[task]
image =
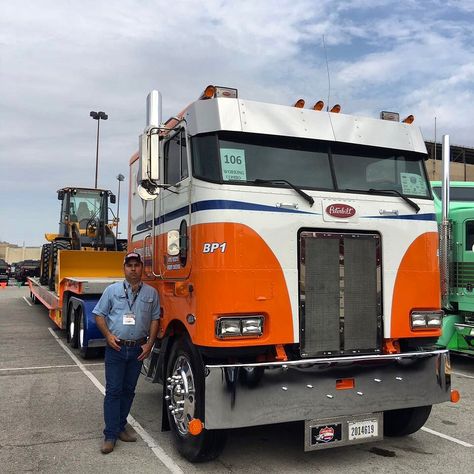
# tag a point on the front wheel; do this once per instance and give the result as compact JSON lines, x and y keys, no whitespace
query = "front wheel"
{"x":185,"y":401}
{"x":405,"y":421}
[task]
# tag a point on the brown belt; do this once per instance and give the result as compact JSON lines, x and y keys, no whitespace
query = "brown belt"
{"x":131,"y":343}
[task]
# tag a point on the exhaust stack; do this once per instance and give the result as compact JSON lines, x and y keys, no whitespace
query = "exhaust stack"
{"x":445,"y":228}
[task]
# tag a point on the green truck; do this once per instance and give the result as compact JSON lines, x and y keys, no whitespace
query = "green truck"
{"x":458,"y":294}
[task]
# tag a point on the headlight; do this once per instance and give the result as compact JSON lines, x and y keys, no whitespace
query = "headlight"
{"x":228,"y":327}
{"x":252,"y":327}
{"x":239,"y":327}
{"x":426,"y":319}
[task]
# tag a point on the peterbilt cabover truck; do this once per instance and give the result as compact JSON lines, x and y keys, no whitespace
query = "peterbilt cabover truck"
{"x":77,"y":264}
{"x":295,"y":254}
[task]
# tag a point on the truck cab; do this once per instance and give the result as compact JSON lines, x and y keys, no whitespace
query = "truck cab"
{"x":295,"y":254}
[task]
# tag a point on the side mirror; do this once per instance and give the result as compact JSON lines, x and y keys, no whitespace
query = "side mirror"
{"x":61,"y":195}
{"x":149,"y":144}
{"x":112,"y":199}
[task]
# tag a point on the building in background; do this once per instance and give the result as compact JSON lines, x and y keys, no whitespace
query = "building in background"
{"x":12,"y":253}
{"x":461,"y":166}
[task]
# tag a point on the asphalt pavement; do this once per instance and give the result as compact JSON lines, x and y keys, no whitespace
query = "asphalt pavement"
{"x":51,"y":418}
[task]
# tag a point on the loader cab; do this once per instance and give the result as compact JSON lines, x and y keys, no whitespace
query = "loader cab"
{"x":84,"y":216}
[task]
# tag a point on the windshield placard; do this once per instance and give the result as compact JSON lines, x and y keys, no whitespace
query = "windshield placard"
{"x":413,"y":184}
{"x":233,"y":164}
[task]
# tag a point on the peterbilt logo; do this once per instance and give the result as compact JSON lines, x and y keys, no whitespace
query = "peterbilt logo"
{"x":340,"y":210}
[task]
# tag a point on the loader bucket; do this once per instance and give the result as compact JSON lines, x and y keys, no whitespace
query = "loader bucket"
{"x":89,"y":263}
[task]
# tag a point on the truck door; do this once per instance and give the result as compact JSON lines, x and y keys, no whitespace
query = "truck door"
{"x":172,"y":259}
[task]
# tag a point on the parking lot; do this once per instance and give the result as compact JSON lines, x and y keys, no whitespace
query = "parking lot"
{"x":51,"y":418}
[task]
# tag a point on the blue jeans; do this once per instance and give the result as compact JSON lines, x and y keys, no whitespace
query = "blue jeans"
{"x":122,"y":370}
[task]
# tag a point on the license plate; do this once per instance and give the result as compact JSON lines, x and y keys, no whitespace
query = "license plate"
{"x":362,"y":429}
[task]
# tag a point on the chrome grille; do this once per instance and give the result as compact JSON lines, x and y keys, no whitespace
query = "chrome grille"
{"x":340,"y":293}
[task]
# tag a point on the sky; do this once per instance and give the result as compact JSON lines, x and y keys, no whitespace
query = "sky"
{"x":61,"y":59}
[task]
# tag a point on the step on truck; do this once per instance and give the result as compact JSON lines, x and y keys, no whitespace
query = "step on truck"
{"x":295,"y":253}
{"x":456,"y":220}
{"x":77,"y":264}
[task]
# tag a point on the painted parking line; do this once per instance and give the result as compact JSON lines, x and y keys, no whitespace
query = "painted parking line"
{"x":24,"y":297}
{"x":459,"y":374}
{"x":45,"y":367}
{"x":149,"y":440}
{"x":449,"y":438}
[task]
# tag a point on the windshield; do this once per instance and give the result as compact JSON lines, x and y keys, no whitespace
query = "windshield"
{"x":311,"y":164}
{"x":84,"y":205}
{"x":463,"y":194}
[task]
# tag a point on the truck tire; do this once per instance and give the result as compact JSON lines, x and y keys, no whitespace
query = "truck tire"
{"x":185,"y":368}
{"x":45,"y":256}
{"x":56,"y":246}
{"x":85,"y":351}
{"x":405,"y":421}
{"x":71,"y":327}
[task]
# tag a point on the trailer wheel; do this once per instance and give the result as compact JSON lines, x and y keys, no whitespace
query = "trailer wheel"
{"x":185,"y":389}
{"x":44,"y":269}
{"x":71,"y":326}
{"x":405,"y":421}
{"x":86,"y":351}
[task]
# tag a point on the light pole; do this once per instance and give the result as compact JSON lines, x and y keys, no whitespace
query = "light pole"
{"x":98,"y":116}
{"x":120,"y":178}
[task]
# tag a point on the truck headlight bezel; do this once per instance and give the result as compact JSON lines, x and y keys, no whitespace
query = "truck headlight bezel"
{"x":422,"y":320}
{"x":239,"y":326}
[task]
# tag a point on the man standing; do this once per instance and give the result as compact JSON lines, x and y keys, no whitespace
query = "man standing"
{"x":127,"y":312}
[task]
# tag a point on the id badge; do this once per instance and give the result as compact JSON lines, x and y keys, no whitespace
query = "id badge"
{"x":129,"y":319}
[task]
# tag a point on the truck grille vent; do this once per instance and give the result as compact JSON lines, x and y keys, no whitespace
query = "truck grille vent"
{"x":463,"y":275}
{"x":340,"y":293}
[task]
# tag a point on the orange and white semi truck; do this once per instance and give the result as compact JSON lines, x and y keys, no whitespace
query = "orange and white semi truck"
{"x":295,"y":254}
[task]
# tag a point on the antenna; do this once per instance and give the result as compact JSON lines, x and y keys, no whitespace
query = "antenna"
{"x":327,"y":69}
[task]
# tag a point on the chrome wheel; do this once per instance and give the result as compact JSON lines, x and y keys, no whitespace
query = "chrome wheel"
{"x":181,"y":394}
{"x":81,"y":331}
{"x":72,"y":334}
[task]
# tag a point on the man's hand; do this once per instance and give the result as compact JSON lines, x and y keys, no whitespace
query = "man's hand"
{"x":113,"y":341}
{"x":146,"y":349}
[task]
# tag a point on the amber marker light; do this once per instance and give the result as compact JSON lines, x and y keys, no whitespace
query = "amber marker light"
{"x":208,"y":93}
{"x":335,"y":109}
{"x":409,"y":119}
{"x":299,"y":104}
{"x":319,"y":105}
{"x":455,"y":396}
{"x":345,"y":384}
{"x":195,"y":426}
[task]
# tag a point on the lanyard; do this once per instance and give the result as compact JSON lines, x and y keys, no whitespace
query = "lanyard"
{"x":134,"y":297}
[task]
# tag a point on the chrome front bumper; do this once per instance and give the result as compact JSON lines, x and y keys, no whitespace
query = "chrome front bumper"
{"x":306,"y":389}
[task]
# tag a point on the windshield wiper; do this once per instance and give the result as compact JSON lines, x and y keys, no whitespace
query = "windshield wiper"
{"x":413,"y":204}
{"x":276,"y":181}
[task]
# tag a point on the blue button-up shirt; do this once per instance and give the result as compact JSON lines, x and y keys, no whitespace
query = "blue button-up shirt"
{"x":113,"y":304}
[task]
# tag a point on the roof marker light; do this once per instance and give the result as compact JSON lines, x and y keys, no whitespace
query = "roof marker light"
{"x":319,"y":105}
{"x":335,"y":109}
{"x":299,"y":104}
{"x":208,"y":93}
{"x":410,"y":119}
{"x":392,"y":116}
